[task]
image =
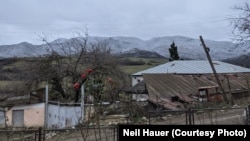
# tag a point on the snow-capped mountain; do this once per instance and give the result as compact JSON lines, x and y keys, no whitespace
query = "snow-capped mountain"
{"x":187,"y":47}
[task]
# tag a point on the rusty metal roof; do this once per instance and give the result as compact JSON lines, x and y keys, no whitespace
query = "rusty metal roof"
{"x":169,"y":85}
{"x":194,"y":67}
{"x":166,"y":86}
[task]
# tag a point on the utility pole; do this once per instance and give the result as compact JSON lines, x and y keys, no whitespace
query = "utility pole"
{"x":214,"y":71}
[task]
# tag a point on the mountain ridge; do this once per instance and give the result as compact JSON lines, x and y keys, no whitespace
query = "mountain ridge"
{"x":187,"y":47}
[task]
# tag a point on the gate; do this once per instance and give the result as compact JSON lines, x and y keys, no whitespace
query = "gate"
{"x":247,"y":113}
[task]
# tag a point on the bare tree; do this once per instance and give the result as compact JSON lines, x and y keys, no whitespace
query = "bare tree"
{"x":73,"y":63}
{"x":241,"y":23}
{"x":68,"y":62}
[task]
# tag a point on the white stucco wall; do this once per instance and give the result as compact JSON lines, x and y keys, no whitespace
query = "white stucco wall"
{"x":63,"y":116}
{"x":33,"y":115}
{"x":136,"y":79}
{"x":140,"y":97}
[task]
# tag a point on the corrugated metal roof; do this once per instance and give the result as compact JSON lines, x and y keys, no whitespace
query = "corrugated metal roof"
{"x":169,"y":85}
{"x":165,"y":86}
{"x":194,"y":67}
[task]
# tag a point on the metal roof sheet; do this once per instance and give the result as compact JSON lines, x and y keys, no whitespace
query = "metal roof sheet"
{"x":194,"y":67}
{"x":169,"y":85}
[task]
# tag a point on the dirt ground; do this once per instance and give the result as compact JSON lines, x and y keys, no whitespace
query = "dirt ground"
{"x":233,"y":115}
{"x":215,"y":117}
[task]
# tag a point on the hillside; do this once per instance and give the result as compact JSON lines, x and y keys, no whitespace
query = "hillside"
{"x":187,"y":47}
{"x":240,"y":61}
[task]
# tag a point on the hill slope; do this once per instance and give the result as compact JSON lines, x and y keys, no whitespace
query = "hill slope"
{"x":187,"y":47}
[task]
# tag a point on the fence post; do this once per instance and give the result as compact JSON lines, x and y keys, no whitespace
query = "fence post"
{"x":149,"y":117}
{"x":190,"y":116}
{"x":192,"y":112}
{"x":44,"y":134}
{"x":186,"y":117}
{"x":115,"y":132}
{"x":35,"y":135}
{"x":248,"y":114}
{"x":40,"y":134}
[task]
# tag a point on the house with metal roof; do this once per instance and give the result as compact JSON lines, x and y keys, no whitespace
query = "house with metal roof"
{"x":175,"y":84}
{"x":171,"y":91}
{"x":138,"y":92}
{"x":194,"y":67}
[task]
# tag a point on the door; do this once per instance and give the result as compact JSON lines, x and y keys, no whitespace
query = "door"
{"x":17,"y":118}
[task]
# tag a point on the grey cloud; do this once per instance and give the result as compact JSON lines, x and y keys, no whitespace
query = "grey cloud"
{"x":141,"y":18}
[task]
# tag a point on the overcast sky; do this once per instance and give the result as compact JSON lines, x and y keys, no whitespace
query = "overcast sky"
{"x":30,"y":20}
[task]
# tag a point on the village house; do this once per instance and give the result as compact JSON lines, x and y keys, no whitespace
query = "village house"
{"x":176,"y":84}
{"x":32,"y":111}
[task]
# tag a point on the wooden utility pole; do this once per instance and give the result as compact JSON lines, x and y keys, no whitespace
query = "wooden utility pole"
{"x":214,"y":71}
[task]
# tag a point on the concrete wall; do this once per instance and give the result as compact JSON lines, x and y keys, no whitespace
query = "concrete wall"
{"x":33,"y":115}
{"x":63,"y":116}
{"x":2,"y":120}
{"x":136,"y":79}
{"x":59,"y":116}
{"x":140,"y":97}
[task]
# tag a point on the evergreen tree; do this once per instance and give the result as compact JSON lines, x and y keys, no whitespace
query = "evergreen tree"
{"x":173,"y":52}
